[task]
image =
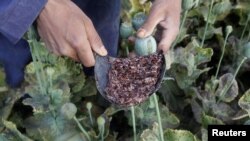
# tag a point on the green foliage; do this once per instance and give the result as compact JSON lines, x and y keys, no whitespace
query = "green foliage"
{"x":232,"y":93}
{"x":244,"y":101}
{"x":169,"y":134}
{"x":209,"y":120}
{"x":187,"y":4}
{"x":146,"y":115}
{"x":246,"y":50}
{"x":68,"y":110}
{"x":180,"y":135}
{"x":185,"y":65}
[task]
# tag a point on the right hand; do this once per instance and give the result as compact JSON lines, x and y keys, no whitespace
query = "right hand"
{"x":67,"y":31}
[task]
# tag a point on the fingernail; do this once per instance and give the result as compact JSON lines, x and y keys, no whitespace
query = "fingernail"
{"x":103,"y":51}
{"x":141,"y":33}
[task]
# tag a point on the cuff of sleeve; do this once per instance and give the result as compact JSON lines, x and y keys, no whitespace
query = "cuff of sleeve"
{"x":21,"y":18}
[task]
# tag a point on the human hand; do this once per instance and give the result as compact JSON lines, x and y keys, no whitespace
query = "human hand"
{"x":67,"y":31}
{"x":164,"y":14}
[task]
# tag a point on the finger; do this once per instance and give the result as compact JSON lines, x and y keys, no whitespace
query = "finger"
{"x":151,"y":22}
{"x":94,"y":39}
{"x":86,"y":55}
{"x":69,"y":52}
{"x":168,"y":36}
{"x":81,"y":44}
{"x":83,"y":50}
{"x":77,"y":39}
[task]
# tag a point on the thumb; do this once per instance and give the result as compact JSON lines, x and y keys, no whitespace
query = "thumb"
{"x":150,"y":24}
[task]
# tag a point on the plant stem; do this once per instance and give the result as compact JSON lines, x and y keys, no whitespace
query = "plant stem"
{"x":240,"y":117}
{"x":244,"y":30}
{"x":222,"y":55}
{"x":102,"y":133}
{"x":90,"y":116}
{"x":35,"y":57}
{"x":32,"y":45}
{"x":51,"y":81}
{"x":133,"y":120}
{"x":227,"y":87}
{"x":181,"y":28}
{"x":127,"y":51}
{"x":82,"y":129}
{"x":207,"y":23}
{"x":42,"y":73}
{"x":248,"y":37}
{"x":159,"y":117}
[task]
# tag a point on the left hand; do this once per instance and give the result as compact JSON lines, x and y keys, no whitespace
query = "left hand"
{"x":166,"y":15}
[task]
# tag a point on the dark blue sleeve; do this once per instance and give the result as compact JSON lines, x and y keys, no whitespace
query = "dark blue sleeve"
{"x":16,"y":16}
{"x":14,"y":57}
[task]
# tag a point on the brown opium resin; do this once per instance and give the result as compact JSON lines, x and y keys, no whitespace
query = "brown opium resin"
{"x":132,"y":80}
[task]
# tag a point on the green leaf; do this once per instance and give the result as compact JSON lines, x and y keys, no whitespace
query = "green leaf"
{"x":13,"y":129}
{"x":222,"y":9}
{"x":171,"y":95}
{"x":244,"y":101}
{"x":39,"y":102}
{"x":187,"y":4}
{"x":72,"y":136}
{"x":59,"y":94}
{"x":197,"y":110}
{"x":247,"y":122}
{"x":151,"y":134}
{"x":7,"y":101}
{"x":169,"y":58}
{"x":48,"y":126}
{"x":77,"y":87}
{"x":185,"y":66}
{"x":209,"y":33}
{"x":203,"y":55}
{"x":204,"y":12}
{"x":112,"y":110}
{"x":211,"y":85}
{"x":209,"y":120}
{"x":243,"y":5}
{"x":223,"y":111}
{"x":3,"y":138}
{"x":169,"y":120}
{"x":232,"y":93}
{"x":180,"y":73}
{"x":139,"y":113}
{"x":242,"y":10}
{"x":185,"y":59}
{"x":179,"y":135}
{"x":89,"y":89}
